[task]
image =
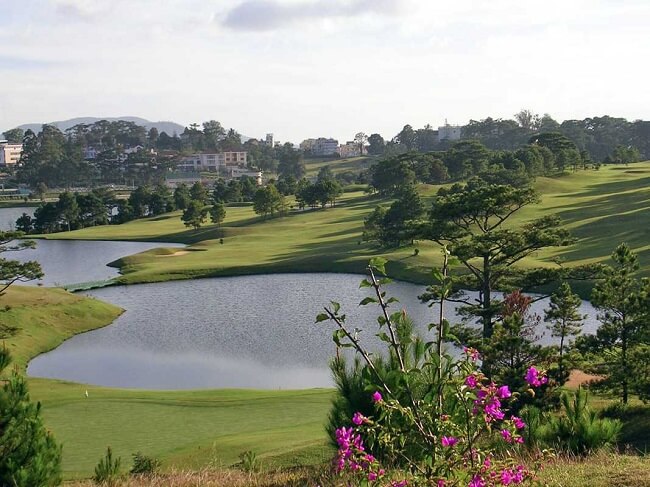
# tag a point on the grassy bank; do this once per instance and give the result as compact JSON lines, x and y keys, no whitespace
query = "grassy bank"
{"x":184,"y":428}
{"x":45,"y":317}
{"x":601,"y":208}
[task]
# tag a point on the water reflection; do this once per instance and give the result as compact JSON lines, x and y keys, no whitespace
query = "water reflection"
{"x":253,"y":331}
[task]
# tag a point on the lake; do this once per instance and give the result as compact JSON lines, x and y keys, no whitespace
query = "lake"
{"x":67,"y":262}
{"x":8,"y":216}
{"x":250,"y":331}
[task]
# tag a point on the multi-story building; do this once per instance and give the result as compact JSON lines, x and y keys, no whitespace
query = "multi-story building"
{"x":449,"y":132}
{"x":351,"y":149}
{"x":213,"y":162}
{"x":269,"y":140}
{"x":320,"y":147}
{"x":10,"y":153}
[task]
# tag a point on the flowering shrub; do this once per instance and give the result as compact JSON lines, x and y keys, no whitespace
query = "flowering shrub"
{"x":456,"y":431}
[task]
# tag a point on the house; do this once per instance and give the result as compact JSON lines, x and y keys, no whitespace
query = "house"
{"x":351,"y":149}
{"x":320,"y":147}
{"x":10,"y":153}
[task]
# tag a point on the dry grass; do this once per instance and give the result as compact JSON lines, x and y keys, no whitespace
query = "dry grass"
{"x":301,"y":477}
{"x":598,"y":470}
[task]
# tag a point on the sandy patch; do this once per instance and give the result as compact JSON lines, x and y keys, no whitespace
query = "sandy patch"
{"x":175,"y":254}
{"x":578,"y":378}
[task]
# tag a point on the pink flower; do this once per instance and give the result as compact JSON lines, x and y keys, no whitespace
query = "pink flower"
{"x":519,"y":423}
{"x":471,"y":381}
{"x":493,"y":411}
{"x":506,"y":477}
{"x":372,"y":476}
{"x":400,"y":483}
{"x":440,"y":483}
{"x":376,"y":397}
{"x":504,"y":392}
{"x":534,"y":379}
{"x":477,"y":481}
{"x":358,"y":418}
{"x":487,"y":462}
{"x":448,"y":440}
{"x":506,"y":436}
{"x":472,"y":353}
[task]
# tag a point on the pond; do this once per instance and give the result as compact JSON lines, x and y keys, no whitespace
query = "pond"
{"x":67,"y":262}
{"x":249,"y":332}
{"x":8,"y":216}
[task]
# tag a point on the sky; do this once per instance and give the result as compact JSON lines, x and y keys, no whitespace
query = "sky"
{"x":331,"y":68}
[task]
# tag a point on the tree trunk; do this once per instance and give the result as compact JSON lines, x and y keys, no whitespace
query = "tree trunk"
{"x":487,"y":299}
{"x":624,"y":361}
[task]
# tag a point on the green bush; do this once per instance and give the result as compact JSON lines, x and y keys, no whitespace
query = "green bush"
{"x":144,"y":465}
{"x":579,"y":430}
{"x":29,"y":456}
{"x":107,"y":471}
{"x":248,"y":462}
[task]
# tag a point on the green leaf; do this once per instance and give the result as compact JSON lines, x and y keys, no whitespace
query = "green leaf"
{"x":383,"y":337}
{"x":384,"y":280}
{"x":322,"y":317}
{"x":378,"y":263}
{"x":392,"y":300}
{"x":365,"y":283}
{"x":437,"y":275}
{"x":336,"y":306}
{"x":367,"y":300}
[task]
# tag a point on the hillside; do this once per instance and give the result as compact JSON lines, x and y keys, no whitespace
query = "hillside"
{"x":601,"y":208}
{"x":170,"y":128}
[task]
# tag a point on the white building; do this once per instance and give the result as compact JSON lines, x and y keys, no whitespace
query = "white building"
{"x":269,"y":140}
{"x":320,"y":147}
{"x":212,"y":162}
{"x":237,"y":172}
{"x":10,"y":153}
{"x":449,"y":132}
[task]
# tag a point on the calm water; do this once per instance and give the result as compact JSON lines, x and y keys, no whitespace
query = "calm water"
{"x":253,"y":331}
{"x":77,"y":261}
{"x":8,"y":216}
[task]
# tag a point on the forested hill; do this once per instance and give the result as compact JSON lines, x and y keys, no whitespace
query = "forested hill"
{"x":170,"y":128}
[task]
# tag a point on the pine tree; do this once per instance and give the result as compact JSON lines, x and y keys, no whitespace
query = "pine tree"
{"x":29,"y":456}
{"x":565,"y":320}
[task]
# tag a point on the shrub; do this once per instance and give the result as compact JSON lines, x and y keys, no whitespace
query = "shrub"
{"x":439,"y":420}
{"x":144,"y":465}
{"x":107,"y":471}
{"x":579,"y":430}
{"x":29,"y":456}
{"x":248,"y":461}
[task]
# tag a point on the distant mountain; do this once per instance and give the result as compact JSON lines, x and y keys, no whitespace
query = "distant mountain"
{"x":170,"y":128}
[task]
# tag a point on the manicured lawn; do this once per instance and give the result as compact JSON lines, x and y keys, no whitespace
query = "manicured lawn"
{"x":602,"y":208}
{"x":354,"y":164}
{"x":187,"y":429}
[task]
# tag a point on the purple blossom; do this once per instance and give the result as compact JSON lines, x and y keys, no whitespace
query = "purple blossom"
{"x":534,"y":379}
{"x":398,"y":483}
{"x":440,"y":483}
{"x":493,"y":411}
{"x":504,"y":392}
{"x":519,"y":423}
{"x":471,"y":381}
{"x":376,"y":397}
{"x":448,"y":440}
{"x":477,"y":481}
{"x":506,"y":436}
{"x":358,"y":418}
{"x":472,"y":353}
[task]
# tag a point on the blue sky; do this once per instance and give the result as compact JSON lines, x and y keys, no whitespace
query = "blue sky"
{"x":309,"y":68}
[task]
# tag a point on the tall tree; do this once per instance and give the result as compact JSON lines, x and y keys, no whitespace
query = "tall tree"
{"x":268,"y":201}
{"x":195,"y":214}
{"x":473,"y":221}
{"x":376,"y":145}
{"x":14,"y":136}
{"x":218,"y":213}
{"x":68,"y":208}
{"x":622,"y":300}
{"x":565,"y":321}
{"x":361,"y":139}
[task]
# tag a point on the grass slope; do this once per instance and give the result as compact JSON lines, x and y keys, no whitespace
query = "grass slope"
{"x":45,"y":317}
{"x":354,"y":164}
{"x":601,"y":208}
